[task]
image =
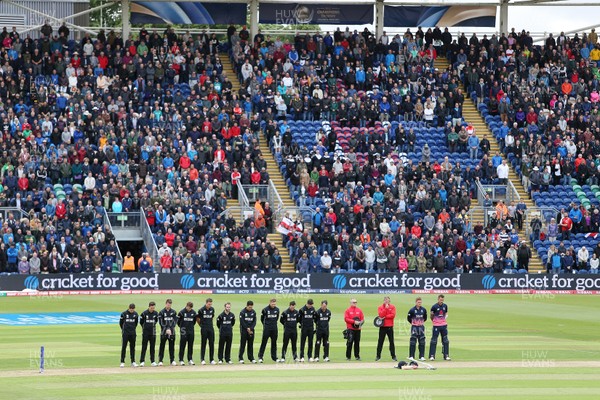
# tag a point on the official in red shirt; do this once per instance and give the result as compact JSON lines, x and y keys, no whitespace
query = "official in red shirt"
{"x":354,"y":319}
{"x":387,"y":312}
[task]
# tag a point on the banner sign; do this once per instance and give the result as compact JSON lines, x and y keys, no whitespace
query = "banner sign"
{"x":203,"y":13}
{"x":299,"y":283}
{"x":304,"y":14}
{"x":446,"y":16}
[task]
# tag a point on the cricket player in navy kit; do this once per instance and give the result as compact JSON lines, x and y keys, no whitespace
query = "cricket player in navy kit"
{"x":128,"y":323}
{"x":167,"y":318}
{"x":225,"y":323}
{"x":322,"y":318}
{"x":148,"y":321}
{"x":186,"y":320}
{"x":306,"y":319}
{"x":439,"y":314}
{"x":247,"y":326}
{"x":269,"y":317}
{"x":289,"y":320}
{"x":206,"y":315}
{"x":417,"y":317}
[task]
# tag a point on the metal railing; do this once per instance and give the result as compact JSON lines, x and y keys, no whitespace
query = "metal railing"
{"x":242,"y":197}
{"x":242,"y":211}
{"x":18,"y":213}
{"x":479,"y":214}
{"x":507,"y":193}
{"x":148,"y":239}
{"x":274,"y":197}
{"x":513,"y":193}
{"x":125,"y":220}
{"x":107,"y":222}
{"x":256,"y":192}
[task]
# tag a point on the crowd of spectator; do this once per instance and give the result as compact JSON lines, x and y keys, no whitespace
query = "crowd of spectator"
{"x":122,"y":125}
{"x":153,"y":123}
{"x":383,"y":213}
{"x":547,"y":97}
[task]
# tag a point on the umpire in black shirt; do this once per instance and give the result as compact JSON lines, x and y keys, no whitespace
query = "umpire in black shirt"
{"x":289,"y":320}
{"x":306,"y":319}
{"x":225,"y":323}
{"x":128,"y":323}
{"x":167,"y":318}
{"x":269,"y":317}
{"x":148,"y":321}
{"x":186,"y":320}
{"x":206,"y":315}
{"x":247,"y":325}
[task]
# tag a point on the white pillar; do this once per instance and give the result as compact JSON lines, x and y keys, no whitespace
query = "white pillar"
{"x":503,"y":24}
{"x":379,"y":24}
{"x":125,"y":16}
{"x":253,"y":19}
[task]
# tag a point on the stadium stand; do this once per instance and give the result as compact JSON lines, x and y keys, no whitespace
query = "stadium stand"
{"x":379,"y":140}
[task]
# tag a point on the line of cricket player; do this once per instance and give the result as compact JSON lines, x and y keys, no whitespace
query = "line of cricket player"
{"x":313,"y":323}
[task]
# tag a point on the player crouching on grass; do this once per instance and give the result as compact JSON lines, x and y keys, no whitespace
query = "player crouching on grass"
{"x":407,"y":365}
{"x":413,"y":364}
{"x":128,"y":323}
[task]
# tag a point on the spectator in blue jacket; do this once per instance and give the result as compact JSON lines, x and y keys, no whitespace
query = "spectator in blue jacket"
{"x":12,"y":255}
{"x":576,"y":217}
{"x":473,"y":143}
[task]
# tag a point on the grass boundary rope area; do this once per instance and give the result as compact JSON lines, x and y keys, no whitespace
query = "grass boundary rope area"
{"x":515,"y":346}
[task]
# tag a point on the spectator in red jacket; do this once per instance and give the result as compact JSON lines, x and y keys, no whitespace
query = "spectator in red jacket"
{"x":387,"y":311}
{"x":170,"y":237}
{"x":61,"y":210}
{"x":255,"y":177}
{"x":23,"y":183}
{"x":354,"y":318}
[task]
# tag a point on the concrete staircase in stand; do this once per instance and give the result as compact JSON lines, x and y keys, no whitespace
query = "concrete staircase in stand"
{"x":274,"y":173}
{"x":229,"y":72}
{"x":472,"y":115}
{"x":286,"y":198}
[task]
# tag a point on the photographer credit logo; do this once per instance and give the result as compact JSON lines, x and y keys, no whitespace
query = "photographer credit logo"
{"x":301,"y":15}
{"x":166,"y":393}
{"x":413,"y":393}
{"x":45,"y":359}
{"x":31,"y":282}
{"x":339,"y":282}
{"x":187,"y":281}
{"x":536,"y":359}
{"x":488,"y":282}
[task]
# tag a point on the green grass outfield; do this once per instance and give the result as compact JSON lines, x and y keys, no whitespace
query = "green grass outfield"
{"x":503,"y":347}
